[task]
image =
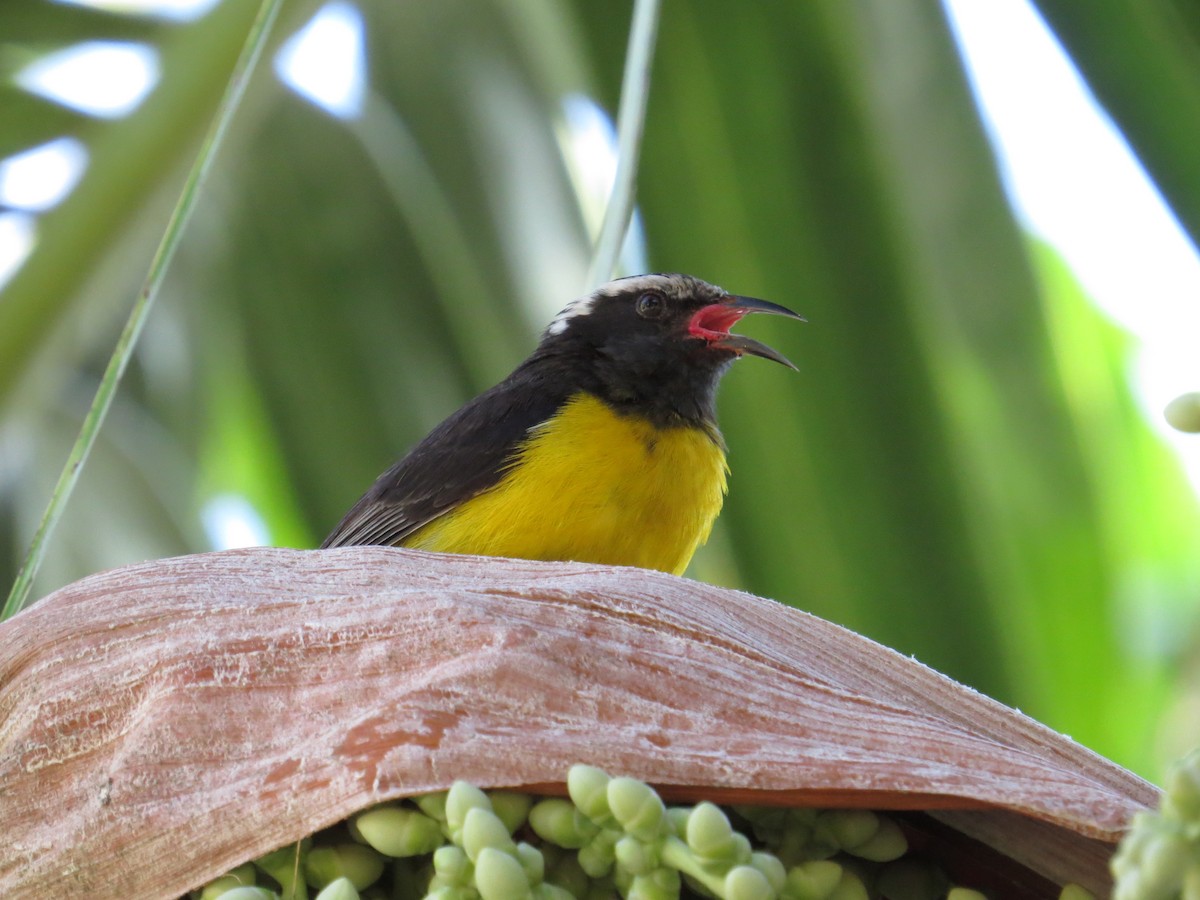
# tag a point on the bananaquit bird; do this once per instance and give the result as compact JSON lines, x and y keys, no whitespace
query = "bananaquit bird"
{"x":601,"y":447}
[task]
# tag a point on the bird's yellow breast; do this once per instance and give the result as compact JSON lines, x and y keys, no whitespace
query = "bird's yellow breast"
{"x":593,"y":485}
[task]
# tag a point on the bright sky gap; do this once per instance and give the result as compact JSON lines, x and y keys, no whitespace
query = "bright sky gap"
{"x":107,"y":79}
{"x":1074,"y":182}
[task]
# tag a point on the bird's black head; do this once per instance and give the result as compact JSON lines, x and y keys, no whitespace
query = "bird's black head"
{"x":653,"y":344}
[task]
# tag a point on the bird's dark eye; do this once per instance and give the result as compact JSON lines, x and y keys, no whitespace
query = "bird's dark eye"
{"x":651,"y":305}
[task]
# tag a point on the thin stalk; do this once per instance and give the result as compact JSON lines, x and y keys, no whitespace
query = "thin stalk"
{"x":256,"y":39}
{"x":631,"y":123}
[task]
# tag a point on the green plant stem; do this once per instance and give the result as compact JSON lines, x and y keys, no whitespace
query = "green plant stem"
{"x":256,"y":39}
{"x":631,"y":123}
{"x":677,"y":855}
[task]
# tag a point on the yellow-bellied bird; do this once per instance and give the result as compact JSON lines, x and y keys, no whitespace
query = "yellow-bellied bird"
{"x":601,"y":447}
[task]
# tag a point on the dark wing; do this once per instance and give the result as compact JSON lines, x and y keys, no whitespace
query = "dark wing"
{"x":459,"y":459}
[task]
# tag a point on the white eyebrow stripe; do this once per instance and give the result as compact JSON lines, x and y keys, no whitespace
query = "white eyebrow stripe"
{"x":674,"y":285}
{"x":583,"y":305}
{"x":580,"y":307}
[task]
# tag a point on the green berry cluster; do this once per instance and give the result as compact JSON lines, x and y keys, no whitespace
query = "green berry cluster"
{"x":614,"y":837}
{"x":1159,"y":859}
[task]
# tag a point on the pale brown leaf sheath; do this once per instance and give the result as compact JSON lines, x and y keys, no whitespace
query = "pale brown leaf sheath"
{"x":162,"y":722}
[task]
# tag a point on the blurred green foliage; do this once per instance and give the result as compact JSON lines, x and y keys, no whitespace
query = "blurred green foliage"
{"x":957,"y":471}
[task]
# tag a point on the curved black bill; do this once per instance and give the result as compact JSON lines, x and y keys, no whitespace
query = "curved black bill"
{"x":742,"y":344}
{"x":753,"y":304}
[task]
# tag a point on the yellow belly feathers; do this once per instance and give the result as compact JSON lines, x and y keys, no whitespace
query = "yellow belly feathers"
{"x":594,"y":486}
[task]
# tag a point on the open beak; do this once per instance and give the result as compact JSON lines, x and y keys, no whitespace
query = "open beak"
{"x":712,"y":323}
